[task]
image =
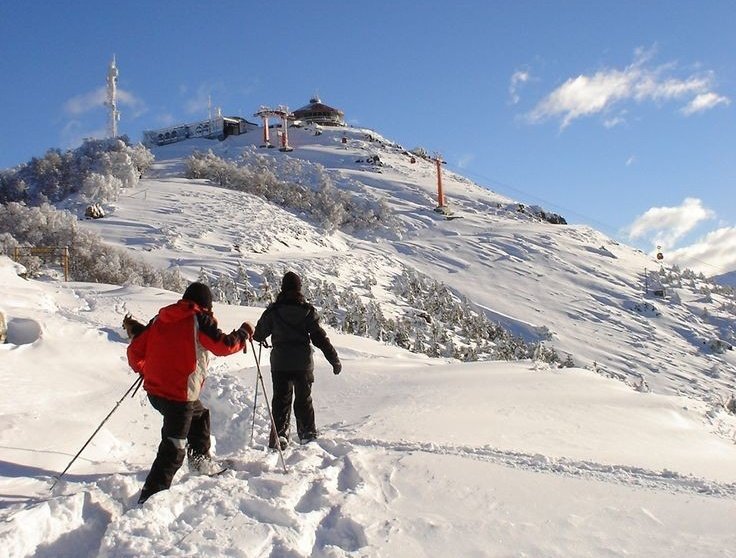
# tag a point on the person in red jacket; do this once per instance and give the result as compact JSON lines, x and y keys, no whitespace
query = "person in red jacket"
{"x":171,"y":353}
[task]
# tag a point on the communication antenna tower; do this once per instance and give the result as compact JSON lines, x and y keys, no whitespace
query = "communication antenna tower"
{"x":112,"y":99}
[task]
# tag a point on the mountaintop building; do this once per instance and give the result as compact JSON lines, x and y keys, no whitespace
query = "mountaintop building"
{"x":218,"y":127}
{"x":316,"y":112}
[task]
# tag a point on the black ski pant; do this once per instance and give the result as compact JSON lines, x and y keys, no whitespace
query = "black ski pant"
{"x":296,"y":385}
{"x":184,"y":423}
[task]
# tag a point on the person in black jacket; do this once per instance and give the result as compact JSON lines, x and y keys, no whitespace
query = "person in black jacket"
{"x":292,"y":324}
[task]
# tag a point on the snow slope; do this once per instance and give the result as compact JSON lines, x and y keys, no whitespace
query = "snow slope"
{"x":569,"y":286}
{"x":418,"y":456}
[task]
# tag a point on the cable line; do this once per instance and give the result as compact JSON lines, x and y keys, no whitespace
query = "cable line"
{"x":499,"y":186}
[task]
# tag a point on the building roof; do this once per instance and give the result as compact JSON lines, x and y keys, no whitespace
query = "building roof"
{"x":316,"y":105}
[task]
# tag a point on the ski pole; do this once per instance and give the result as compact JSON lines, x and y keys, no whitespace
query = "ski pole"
{"x":134,"y":389}
{"x":255,"y":399}
{"x":268,"y":406}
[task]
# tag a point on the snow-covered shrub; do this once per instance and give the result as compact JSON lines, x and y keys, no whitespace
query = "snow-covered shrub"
{"x":420,"y":151}
{"x":90,"y":258}
{"x":100,"y":187}
{"x":98,"y":168}
{"x":730,"y":405}
{"x":433,"y":320}
{"x":642,"y":386}
{"x":707,"y":294}
{"x":8,"y":244}
{"x":716,"y":346}
{"x":142,"y":157}
{"x":729,"y":307}
{"x":644,"y":308}
{"x":548,"y":216}
{"x":297,"y":185}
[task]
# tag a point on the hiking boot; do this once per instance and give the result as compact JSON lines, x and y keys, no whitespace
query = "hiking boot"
{"x":203,"y":464}
{"x":307,"y":437}
{"x":146,"y":493}
{"x":283,"y":443}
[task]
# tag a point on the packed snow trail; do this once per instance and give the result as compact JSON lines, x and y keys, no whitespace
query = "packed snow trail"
{"x":345,"y":494}
{"x":341,"y":498}
{"x":668,"y":481}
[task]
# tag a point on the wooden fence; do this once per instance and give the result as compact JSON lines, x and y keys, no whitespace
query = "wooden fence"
{"x":55,"y":252}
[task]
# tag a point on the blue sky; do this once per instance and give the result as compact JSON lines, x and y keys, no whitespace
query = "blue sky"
{"x":615,"y":114}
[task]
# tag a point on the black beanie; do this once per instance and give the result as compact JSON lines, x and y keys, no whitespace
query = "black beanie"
{"x":200,"y":294}
{"x":291,"y":282}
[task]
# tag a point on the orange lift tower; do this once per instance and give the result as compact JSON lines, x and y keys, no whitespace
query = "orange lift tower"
{"x":441,"y":207}
{"x":265,"y":113}
{"x":282,"y":112}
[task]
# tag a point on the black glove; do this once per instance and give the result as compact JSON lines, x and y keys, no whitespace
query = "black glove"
{"x":336,"y":367}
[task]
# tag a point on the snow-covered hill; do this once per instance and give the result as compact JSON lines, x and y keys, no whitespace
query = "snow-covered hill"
{"x":418,"y":456}
{"x":726,"y":278}
{"x":568,"y":286}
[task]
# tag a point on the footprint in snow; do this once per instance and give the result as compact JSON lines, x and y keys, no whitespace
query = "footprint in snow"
{"x":349,"y":480}
{"x":337,"y":530}
{"x":315,"y":498}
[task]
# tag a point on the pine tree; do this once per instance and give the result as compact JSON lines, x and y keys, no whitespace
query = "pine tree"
{"x":265,"y":294}
{"x":418,"y":346}
{"x":247,"y":296}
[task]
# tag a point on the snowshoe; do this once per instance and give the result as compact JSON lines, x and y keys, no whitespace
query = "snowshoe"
{"x":204,"y":465}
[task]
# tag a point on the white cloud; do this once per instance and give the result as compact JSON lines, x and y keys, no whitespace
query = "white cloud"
{"x":127,"y":99}
{"x":631,"y":160}
{"x":465,"y":160}
{"x":198,"y":104}
{"x":705,"y":101}
{"x":587,"y":95}
{"x":614,"y":121}
{"x":95,"y":99}
{"x":85,"y":102}
{"x":199,"y":101}
{"x":664,"y":226}
{"x":583,"y":96}
{"x":166,"y":119}
{"x":519,"y":78}
{"x":713,"y":254}
{"x":74,"y":132}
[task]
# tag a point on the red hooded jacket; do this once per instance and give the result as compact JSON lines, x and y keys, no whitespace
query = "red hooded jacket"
{"x":171,"y":353}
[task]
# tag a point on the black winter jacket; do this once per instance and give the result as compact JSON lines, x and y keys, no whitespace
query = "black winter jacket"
{"x":292,"y":323}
